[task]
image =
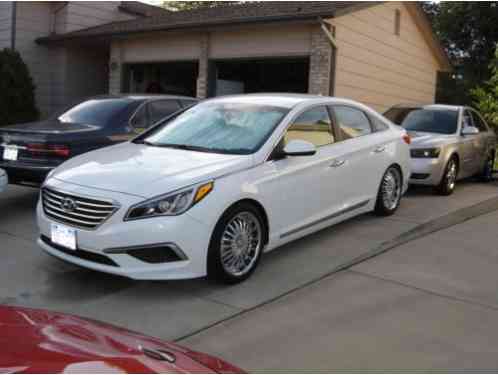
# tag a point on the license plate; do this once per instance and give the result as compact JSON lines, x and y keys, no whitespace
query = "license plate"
{"x":63,"y":236}
{"x":10,"y":153}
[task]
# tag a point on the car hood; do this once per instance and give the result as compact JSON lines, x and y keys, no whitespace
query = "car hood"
{"x":423,"y":139}
{"x":38,"y":341}
{"x":146,"y":171}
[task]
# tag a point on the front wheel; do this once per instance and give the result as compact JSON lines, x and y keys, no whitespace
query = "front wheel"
{"x":389,"y":194}
{"x":236,"y":244}
{"x":448,"y":181}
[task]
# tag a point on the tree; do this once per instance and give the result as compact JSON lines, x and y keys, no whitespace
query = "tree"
{"x":469,"y":32}
{"x":486,"y":96}
{"x":187,"y":5}
{"x":17,"y":91}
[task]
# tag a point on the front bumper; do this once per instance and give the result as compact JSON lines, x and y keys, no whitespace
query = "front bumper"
{"x":183,"y":231}
{"x":426,"y":171}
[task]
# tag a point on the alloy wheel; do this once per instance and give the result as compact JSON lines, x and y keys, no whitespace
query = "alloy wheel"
{"x":391,"y":189}
{"x":241,"y":243}
{"x":451,"y":174}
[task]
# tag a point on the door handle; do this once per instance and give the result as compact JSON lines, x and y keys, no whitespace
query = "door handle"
{"x":337,"y":163}
{"x":380,"y":149}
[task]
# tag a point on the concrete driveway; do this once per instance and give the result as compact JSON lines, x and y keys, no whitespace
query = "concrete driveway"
{"x":299,"y":271}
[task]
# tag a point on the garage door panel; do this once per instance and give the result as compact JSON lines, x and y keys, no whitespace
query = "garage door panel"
{"x":261,"y":42}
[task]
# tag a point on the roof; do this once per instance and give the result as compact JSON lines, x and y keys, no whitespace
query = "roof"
{"x":285,"y":100}
{"x":246,"y":12}
{"x":428,"y":106}
{"x":133,"y":96}
{"x":141,"y":9}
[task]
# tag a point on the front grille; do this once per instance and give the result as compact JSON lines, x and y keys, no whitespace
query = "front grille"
{"x":82,"y":254}
{"x":75,"y":210}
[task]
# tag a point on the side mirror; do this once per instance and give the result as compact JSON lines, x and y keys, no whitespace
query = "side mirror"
{"x":299,"y":148}
{"x":470,"y":130}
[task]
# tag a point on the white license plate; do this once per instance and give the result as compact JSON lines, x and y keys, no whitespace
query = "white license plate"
{"x":63,"y":236}
{"x":10,"y":153}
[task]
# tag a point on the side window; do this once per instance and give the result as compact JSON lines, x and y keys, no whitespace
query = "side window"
{"x":352,"y":122}
{"x":159,"y":109}
{"x":377,"y":124}
{"x":467,"y":119}
{"x":313,"y":126}
{"x":479,"y":123}
{"x":140,"y":120}
{"x":188,"y":102}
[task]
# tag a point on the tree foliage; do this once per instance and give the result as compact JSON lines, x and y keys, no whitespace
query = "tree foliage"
{"x":17,"y":91}
{"x":187,"y":5}
{"x":486,"y":96}
{"x":469,"y":33}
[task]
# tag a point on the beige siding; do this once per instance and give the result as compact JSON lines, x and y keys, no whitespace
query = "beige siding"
{"x":82,"y":14}
{"x":159,"y":47}
{"x":33,"y":21}
{"x":5,"y":24}
{"x":379,"y":68}
{"x":261,"y":42}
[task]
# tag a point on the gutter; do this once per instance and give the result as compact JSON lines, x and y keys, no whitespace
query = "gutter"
{"x":13,"y":26}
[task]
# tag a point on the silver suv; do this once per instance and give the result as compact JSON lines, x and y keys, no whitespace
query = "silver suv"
{"x":448,"y":143}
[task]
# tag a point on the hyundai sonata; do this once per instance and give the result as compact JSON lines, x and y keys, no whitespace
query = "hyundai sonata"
{"x":208,"y":191}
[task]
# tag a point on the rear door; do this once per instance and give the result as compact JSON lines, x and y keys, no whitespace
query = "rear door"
{"x":366,"y":150}
{"x":484,"y":141}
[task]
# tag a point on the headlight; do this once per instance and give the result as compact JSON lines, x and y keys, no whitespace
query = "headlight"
{"x":432,"y":153}
{"x":171,"y":204}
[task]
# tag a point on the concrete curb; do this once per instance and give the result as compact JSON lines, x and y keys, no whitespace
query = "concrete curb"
{"x":422,"y":230}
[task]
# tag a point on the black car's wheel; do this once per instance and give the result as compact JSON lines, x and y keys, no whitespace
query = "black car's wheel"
{"x":448,"y":181}
{"x":236,"y":244}
{"x":389,"y":194}
{"x":486,"y":174}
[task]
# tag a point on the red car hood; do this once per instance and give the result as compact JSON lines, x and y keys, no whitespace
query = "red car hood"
{"x":38,"y":341}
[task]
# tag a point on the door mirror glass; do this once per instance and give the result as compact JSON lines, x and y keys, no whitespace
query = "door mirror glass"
{"x":298,"y":147}
{"x":470,"y":130}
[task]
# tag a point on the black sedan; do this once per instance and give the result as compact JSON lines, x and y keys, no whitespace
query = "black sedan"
{"x":28,"y":152}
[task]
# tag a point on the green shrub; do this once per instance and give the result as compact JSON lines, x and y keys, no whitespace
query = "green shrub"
{"x":486,"y":96}
{"x":17,"y":91}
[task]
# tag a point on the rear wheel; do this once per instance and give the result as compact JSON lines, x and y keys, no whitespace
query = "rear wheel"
{"x":487,"y":173}
{"x":448,"y":181}
{"x":389,"y":194}
{"x":236,"y":244}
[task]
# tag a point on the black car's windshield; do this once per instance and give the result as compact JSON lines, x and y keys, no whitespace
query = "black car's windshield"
{"x":441,"y":121}
{"x":97,"y":112}
{"x":234,"y":128}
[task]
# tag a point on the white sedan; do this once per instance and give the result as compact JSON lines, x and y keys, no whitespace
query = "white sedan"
{"x":208,"y":191}
{"x":3,"y":180}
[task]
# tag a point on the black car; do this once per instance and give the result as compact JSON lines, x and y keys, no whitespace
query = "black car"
{"x":28,"y":152}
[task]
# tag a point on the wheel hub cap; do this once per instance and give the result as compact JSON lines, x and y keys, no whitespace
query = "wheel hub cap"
{"x":391,"y":189}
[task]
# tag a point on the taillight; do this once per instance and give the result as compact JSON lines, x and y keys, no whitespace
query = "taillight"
{"x":407,"y":139}
{"x":43,"y":149}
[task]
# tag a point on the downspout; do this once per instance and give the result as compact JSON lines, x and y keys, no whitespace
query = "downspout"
{"x":13,"y":26}
{"x":54,"y":17}
{"x":330,"y":36}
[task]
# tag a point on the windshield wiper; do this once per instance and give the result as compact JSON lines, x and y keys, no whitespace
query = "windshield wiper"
{"x":184,"y":147}
{"x":144,"y":142}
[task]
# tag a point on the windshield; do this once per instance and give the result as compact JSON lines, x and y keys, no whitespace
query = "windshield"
{"x":233,"y":128}
{"x":425,"y":120}
{"x":97,"y":112}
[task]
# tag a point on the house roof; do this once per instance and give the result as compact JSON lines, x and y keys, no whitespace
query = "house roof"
{"x":141,"y":9}
{"x":246,"y":12}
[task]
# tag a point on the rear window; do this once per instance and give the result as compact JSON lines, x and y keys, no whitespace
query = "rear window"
{"x":97,"y":112}
{"x":431,"y":121}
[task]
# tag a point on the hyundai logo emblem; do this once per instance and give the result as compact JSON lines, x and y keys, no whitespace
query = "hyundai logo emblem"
{"x":69,"y":205}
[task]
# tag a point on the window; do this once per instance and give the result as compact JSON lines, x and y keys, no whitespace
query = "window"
{"x":159,"y":109}
{"x":352,"y":122}
{"x":397,"y":22}
{"x":467,"y":119}
{"x":188,"y":102}
{"x":479,"y":122}
{"x":313,"y":126}
{"x":140,"y":119}
{"x":426,"y":120}
{"x":377,"y":124}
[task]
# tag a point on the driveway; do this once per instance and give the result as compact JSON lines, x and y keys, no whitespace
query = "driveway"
{"x":180,"y":309}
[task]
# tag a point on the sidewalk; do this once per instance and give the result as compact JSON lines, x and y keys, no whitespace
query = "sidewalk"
{"x":430,"y":304}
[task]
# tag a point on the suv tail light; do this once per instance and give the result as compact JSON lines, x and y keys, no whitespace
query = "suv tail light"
{"x":407,"y":139}
{"x":43,"y":149}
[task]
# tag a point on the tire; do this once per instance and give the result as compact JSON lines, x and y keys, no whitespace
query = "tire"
{"x":241,"y":252}
{"x":448,"y":181}
{"x":486,"y":174}
{"x":389,"y":193}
